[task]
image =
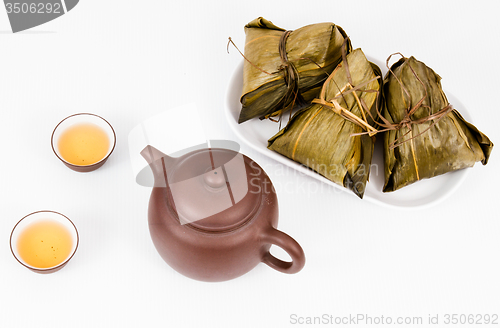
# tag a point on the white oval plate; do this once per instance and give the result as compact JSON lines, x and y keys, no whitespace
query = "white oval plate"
{"x":425,"y":193}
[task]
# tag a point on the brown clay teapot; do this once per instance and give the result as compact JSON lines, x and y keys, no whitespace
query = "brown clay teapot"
{"x":213,"y":215}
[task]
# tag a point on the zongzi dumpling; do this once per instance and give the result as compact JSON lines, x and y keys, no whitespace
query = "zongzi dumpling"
{"x":320,"y":136}
{"x":428,"y":137}
{"x":286,"y":68}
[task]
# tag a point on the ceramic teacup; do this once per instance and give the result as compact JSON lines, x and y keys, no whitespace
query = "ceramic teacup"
{"x":19,"y":238}
{"x":83,"y":118}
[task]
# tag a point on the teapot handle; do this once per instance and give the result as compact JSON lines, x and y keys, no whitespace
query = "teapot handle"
{"x":287,"y":243}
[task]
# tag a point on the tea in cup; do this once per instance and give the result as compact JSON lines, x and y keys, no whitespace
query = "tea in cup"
{"x":44,"y":241}
{"x":83,"y":142}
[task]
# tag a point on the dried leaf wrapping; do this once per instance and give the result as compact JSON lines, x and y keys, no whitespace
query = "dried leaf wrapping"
{"x":312,"y":53}
{"x":322,"y":140}
{"x":431,"y":148}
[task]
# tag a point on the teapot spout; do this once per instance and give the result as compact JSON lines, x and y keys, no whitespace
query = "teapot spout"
{"x":151,"y":154}
{"x":159,"y":163}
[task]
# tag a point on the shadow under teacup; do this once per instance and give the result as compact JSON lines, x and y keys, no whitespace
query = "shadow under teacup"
{"x":44,"y":241}
{"x":83,"y":142}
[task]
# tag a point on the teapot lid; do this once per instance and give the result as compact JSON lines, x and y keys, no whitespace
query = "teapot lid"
{"x":215,"y":190}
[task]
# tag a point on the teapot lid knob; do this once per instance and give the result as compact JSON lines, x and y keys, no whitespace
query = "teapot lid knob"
{"x":215,"y":179}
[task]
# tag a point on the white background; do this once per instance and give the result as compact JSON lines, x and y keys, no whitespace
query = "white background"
{"x":129,"y":60}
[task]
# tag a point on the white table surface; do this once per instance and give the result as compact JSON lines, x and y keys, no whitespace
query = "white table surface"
{"x":128,"y":61}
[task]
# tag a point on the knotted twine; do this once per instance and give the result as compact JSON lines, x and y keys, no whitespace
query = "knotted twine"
{"x":292,"y":95}
{"x":343,"y":112}
{"x":407,"y":121}
{"x":291,"y":78}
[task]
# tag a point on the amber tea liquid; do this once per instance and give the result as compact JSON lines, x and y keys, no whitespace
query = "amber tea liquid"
{"x":83,"y":144}
{"x":44,"y":244}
